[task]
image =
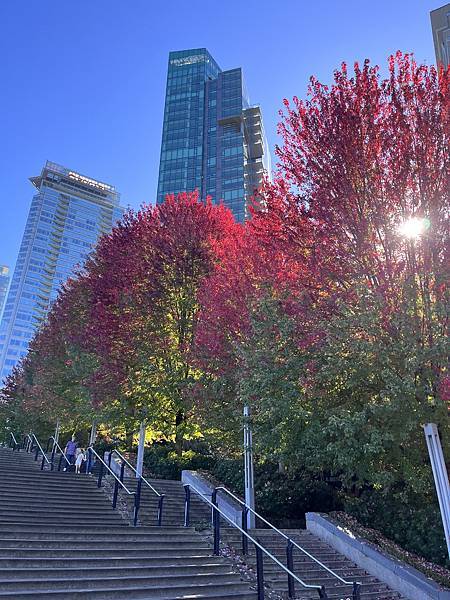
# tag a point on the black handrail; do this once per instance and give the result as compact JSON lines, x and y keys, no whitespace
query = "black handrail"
{"x":56,"y":446}
{"x":14,"y":444}
{"x":259,"y":549}
{"x":27,"y":442}
{"x":130,"y":466}
{"x":117,"y":481}
{"x":31,"y":443}
{"x":290,"y":543}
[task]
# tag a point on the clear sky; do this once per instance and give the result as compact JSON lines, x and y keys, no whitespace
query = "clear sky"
{"x":83,"y":81}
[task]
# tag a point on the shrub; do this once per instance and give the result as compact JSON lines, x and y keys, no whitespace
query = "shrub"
{"x":413,"y":522}
{"x":163,"y":462}
{"x":282,"y":498}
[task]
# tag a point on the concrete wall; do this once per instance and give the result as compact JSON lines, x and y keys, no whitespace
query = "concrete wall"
{"x":399,"y":576}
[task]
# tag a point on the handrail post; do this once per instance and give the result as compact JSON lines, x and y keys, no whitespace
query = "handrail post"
{"x":187,"y":504}
{"x":216,"y":523}
{"x":116,"y":491}
{"x":356,"y":591}
{"x":214,"y":501}
{"x":52,"y":466}
{"x":244,"y":527}
{"x":89,"y":462}
{"x":36,"y":453}
{"x":42,"y":462}
{"x":137,"y":501}
{"x":100,"y":476}
{"x":290,"y":566}
{"x":323,"y":593}
{"x":116,"y":484}
{"x":259,"y":571}
{"x":160,"y":507}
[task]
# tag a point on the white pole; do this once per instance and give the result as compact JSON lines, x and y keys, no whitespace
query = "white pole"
{"x":249,"y":483}
{"x":440,"y":476}
{"x":140,"y":454}
{"x":57,"y":428}
{"x":93,"y":434}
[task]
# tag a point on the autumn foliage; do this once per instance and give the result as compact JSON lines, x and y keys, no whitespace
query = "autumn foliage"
{"x":318,"y":312}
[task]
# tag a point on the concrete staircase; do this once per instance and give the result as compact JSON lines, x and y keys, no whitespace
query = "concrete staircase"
{"x":173,"y":504}
{"x":306,"y":569}
{"x":274,"y":577}
{"x":60,"y":539}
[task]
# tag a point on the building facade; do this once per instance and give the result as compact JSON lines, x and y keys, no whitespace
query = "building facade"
{"x":67,"y":216}
{"x":212,"y":140}
{"x":440,"y":25}
{"x":4,"y":283}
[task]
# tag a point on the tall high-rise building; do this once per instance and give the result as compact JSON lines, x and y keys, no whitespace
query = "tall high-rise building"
{"x":440,"y":24}
{"x":213,"y":139}
{"x":67,"y":215}
{"x":4,"y":282}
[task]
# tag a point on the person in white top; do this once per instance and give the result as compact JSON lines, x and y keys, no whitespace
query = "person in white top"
{"x":80,"y":458}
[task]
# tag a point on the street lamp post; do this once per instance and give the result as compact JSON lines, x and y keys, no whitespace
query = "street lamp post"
{"x":249,"y":483}
{"x":440,"y":476}
{"x":140,"y":453}
{"x":93,"y":433}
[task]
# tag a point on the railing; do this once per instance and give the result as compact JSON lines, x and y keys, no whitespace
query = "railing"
{"x":290,"y":544}
{"x":117,"y":482}
{"x":259,"y":549}
{"x":140,"y":478}
{"x":14,"y":444}
{"x":31,"y":444}
{"x":56,"y":446}
{"x":27,"y":443}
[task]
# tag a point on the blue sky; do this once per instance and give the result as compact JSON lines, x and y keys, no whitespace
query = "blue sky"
{"x":83,"y":80}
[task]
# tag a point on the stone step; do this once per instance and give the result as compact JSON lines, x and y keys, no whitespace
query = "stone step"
{"x":96,"y":551}
{"x":128,"y":536}
{"x":125,"y":593}
{"x":49,"y":520}
{"x":194,"y":542}
{"x":160,"y":584}
{"x":122,"y":528}
{"x":148,"y":561}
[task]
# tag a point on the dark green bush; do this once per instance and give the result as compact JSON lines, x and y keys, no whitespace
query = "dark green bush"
{"x":163,"y":463}
{"x":413,"y":522}
{"x":282,"y":498}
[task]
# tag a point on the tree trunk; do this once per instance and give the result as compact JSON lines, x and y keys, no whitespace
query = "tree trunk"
{"x":180,"y":419}
{"x":129,"y":435}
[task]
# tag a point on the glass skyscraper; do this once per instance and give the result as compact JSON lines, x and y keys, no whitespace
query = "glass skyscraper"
{"x":440,"y":25}
{"x":212,"y":140}
{"x":4,"y":282}
{"x":68,"y":214}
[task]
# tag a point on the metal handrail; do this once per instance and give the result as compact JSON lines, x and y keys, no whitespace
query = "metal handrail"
{"x":40,"y":448}
{"x":56,"y":445}
{"x":111,"y":471}
{"x":16,"y":443}
{"x":118,"y":481}
{"x":122,"y":457}
{"x":286,"y":537}
{"x":28,"y":439}
{"x":319,"y":588}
